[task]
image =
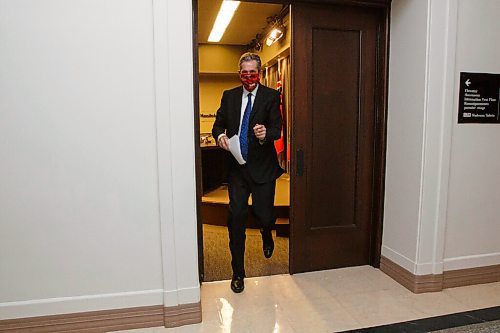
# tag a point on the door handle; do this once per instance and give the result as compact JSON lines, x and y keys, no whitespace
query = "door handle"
{"x":300,"y":162}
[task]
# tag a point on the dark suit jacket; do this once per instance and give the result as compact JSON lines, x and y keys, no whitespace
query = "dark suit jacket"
{"x":262,"y":161}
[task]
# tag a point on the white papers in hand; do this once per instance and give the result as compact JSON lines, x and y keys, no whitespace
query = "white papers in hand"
{"x":234,"y":148}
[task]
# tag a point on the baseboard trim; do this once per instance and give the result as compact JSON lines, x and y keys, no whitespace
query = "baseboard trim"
{"x":93,"y":321}
{"x":470,"y":276}
{"x":415,"y":283}
{"x":184,"y":314}
{"x":437,"y":282}
{"x":107,"y":320}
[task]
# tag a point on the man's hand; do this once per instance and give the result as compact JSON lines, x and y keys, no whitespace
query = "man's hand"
{"x":223,"y":142}
{"x":260,"y":132}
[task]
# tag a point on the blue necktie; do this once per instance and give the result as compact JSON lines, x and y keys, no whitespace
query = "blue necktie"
{"x":244,"y":128}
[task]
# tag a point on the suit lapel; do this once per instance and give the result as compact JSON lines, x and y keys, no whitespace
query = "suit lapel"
{"x":236,"y":105}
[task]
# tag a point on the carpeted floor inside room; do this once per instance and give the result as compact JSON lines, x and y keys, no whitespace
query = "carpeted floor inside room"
{"x":217,"y":258}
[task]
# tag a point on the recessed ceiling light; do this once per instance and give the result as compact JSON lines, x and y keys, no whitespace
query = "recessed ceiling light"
{"x":225,"y":15}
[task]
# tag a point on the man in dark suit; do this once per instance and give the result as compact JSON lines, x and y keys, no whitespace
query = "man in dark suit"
{"x":251,"y":111}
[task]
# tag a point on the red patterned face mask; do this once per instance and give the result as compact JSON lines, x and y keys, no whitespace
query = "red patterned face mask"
{"x":249,"y":80}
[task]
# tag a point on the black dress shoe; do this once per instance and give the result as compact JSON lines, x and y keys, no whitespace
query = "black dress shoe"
{"x":267,"y":242}
{"x":237,"y":284}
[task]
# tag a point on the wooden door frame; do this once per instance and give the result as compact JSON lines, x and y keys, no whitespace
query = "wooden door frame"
{"x":382,"y":73}
{"x":197,"y":148}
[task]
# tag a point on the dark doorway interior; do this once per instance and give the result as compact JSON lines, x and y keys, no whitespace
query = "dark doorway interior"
{"x":217,"y":71}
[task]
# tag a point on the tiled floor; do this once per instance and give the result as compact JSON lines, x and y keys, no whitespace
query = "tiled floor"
{"x":326,"y":301}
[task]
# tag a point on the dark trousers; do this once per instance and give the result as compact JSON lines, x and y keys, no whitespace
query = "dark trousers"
{"x":240,"y":186}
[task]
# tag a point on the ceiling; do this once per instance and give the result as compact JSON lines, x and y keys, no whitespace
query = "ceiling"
{"x":249,"y":20}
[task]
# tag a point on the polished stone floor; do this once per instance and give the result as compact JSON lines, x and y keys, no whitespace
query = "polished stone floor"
{"x":325,"y":302}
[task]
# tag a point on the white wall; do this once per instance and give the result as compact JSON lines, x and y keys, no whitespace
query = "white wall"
{"x":97,"y":195}
{"x":442,"y":178}
{"x":473,"y":222}
{"x":407,"y":69}
{"x":88,"y":219}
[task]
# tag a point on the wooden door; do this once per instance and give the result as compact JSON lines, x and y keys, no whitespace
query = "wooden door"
{"x":338,"y":135}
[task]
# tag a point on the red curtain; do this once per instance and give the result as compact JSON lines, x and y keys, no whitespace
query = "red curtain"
{"x":278,"y":77}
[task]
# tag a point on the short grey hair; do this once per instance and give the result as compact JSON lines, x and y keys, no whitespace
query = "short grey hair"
{"x":249,"y":56}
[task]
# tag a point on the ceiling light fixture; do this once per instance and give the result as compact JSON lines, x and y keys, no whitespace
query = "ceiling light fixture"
{"x":274,"y":35}
{"x":276,"y":29}
{"x":225,"y":15}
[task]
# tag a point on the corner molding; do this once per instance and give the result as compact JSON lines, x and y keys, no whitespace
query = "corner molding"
{"x":107,"y":320}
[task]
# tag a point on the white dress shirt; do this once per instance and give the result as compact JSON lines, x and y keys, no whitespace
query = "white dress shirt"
{"x":244,"y":101}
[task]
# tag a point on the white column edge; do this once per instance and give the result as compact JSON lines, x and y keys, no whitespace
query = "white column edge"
{"x":164,"y":151}
{"x":447,"y":133}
